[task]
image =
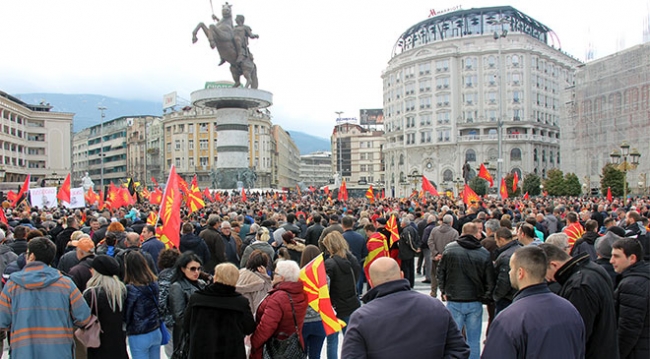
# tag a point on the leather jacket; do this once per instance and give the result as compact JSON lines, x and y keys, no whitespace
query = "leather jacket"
{"x":502,"y":288}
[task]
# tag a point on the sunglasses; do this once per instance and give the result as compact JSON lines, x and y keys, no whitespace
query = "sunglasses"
{"x":194,"y":269}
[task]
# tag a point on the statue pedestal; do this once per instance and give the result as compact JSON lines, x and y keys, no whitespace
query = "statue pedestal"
{"x":233,"y":106}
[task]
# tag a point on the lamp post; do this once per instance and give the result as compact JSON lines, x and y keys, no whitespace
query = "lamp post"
{"x":624,"y":165}
{"x":339,"y":147}
{"x":458,"y":182}
{"x":414,"y":178}
{"x":498,"y":36}
{"x":101,"y":148}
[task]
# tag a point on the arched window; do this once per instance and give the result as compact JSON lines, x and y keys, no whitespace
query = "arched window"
{"x":470,"y":155}
{"x":401,"y":159}
{"x":517,"y":171}
{"x":515,"y":154}
{"x":535,"y":155}
{"x":448,"y":176}
{"x":493,"y":155}
{"x":402,"y":178}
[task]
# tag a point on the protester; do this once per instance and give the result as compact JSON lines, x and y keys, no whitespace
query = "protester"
{"x":166,"y":261}
{"x":81,"y":272}
{"x":293,"y":246}
{"x":141,"y":313}
{"x":150,"y":243}
{"x":261,"y":243}
{"x":218,"y":318}
{"x":254,"y":281}
{"x":438,"y":239}
{"x":538,"y":323}
{"x":215,"y":243}
{"x":313,"y":331}
{"x":106,"y":289}
{"x":191,"y":242}
{"x":430,"y":331}
{"x":184,"y":283}
{"x":503,"y":290}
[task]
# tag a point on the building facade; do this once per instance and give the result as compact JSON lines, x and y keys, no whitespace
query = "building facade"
{"x":33,"y":141}
{"x":286,"y":171}
{"x":609,"y":104}
{"x":457,"y":81}
{"x":357,"y":155}
{"x":316,"y":169}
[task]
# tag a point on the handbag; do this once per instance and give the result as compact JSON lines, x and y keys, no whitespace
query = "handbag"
{"x":165,"y":333}
{"x":288,"y":348}
{"x":182,"y":350}
{"x":89,"y":335}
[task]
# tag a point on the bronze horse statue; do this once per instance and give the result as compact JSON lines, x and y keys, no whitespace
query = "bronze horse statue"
{"x":222,"y":36}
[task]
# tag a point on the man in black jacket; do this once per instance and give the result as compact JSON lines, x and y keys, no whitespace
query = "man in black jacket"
{"x":215,"y":243}
{"x":466,"y":278}
{"x":503,"y":290}
{"x":632,"y":298}
{"x":192,"y":242}
{"x":586,"y":243}
{"x":19,"y":245}
{"x":588,"y":287}
{"x":63,"y":238}
{"x":314,"y":231}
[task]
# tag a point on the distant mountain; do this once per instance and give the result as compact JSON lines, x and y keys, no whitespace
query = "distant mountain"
{"x":84,"y":106}
{"x":307,"y":143}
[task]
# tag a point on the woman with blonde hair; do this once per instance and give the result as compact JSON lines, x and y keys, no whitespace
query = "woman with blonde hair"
{"x":105,"y":294}
{"x":262,"y":243}
{"x":343,"y":270}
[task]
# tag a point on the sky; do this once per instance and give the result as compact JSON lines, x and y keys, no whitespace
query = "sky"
{"x":315,"y":57}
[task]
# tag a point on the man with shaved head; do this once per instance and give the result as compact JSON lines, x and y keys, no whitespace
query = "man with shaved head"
{"x":430,"y":332}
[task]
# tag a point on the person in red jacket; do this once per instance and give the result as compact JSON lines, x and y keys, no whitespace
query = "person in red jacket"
{"x":275,"y":315}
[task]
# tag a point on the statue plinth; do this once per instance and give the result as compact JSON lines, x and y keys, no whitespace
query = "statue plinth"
{"x":233,"y":105}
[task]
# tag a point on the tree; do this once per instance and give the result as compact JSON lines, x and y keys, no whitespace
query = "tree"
{"x":509,"y":179}
{"x":572,"y":185}
{"x":478,"y":185}
{"x":531,"y":184}
{"x":554,"y":183}
{"x":614,"y":178}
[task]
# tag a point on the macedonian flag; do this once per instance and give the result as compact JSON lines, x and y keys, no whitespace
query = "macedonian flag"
{"x":314,"y":281}
{"x":377,"y":245}
{"x":391,"y":226}
{"x":194,"y":199}
{"x":170,"y":212}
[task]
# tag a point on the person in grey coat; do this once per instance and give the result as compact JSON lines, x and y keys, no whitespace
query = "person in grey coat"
{"x":431,"y":332}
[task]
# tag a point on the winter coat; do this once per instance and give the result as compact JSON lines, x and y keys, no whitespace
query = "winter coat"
{"x":608,"y":267}
{"x":99,"y":234}
{"x":61,"y":242}
{"x":147,"y":257}
{"x":120,"y":238}
{"x":40,"y":300}
{"x":19,"y":246}
{"x":274,"y":316}
{"x":552,"y":224}
{"x":424,"y":239}
{"x":217,"y":319}
{"x":164,"y":282}
{"x":313,"y":234}
{"x":538,"y":324}
{"x":253,"y":286}
{"x":113,"y":336}
{"x":502,"y":287}
{"x":632,"y":300}
{"x":6,"y":257}
{"x":440,"y":237}
{"x":389,"y":303}
{"x":67,"y":261}
{"x":141,"y":309}
{"x":216,"y":246}
{"x":343,"y":274}
{"x":263,"y":246}
{"x":295,"y":251}
{"x":586,"y":244}
{"x":589,"y":288}
{"x":179,"y":295}
{"x":13,"y":267}
{"x":465,"y":272}
{"x":152,"y":246}
{"x":81,"y":274}
{"x":194,"y":243}
{"x":409,"y":242}
{"x":357,"y":244}
{"x":108,"y":250}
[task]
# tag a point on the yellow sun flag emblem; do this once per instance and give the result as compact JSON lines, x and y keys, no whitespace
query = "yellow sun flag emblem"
{"x":169,"y":202}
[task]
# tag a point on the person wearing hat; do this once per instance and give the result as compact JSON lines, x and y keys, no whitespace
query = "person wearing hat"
{"x":80,"y":273}
{"x":72,"y":258}
{"x":109,"y":292}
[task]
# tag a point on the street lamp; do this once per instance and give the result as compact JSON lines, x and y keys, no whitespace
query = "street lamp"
{"x":458,"y":182}
{"x":339,"y":145}
{"x":624,"y":165}
{"x":498,"y":36}
{"x":101,"y":144}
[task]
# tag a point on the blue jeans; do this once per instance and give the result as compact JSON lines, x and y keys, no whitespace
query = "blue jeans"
{"x":145,"y":346}
{"x":470,"y":316}
{"x":333,"y":341}
{"x":314,"y":335}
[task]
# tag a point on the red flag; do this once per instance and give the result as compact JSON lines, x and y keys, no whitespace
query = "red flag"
{"x":207,"y":195}
{"x":503,"y":190}
{"x":298,"y":189}
{"x":427,"y":186}
{"x":64,"y":191}
{"x":15,"y":198}
{"x":100,"y":200}
{"x":217,"y":196}
{"x":515,"y":182}
{"x":126,"y":198}
{"x":152,"y":219}
{"x":327,"y":190}
{"x":609,"y":194}
{"x":526,"y":197}
{"x":370,"y":195}
{"x":485,"y":174}
{"x":114,"y":196}
{"x":155,"y":183}
{"x":469,"y":196}
{"x":343,"y":192}
{"x":243,"y":195}
{"x":314,"y":279}
{"x":3,"y":217}
{"x":383,"y":193}
{"x":170,"y":211}
{"x":194,"y":200}
{"x":156,"y":196}
{"x":391,"y":226}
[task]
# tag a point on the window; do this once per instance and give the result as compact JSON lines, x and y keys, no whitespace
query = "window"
{"x":470,"y":98}
{"x":470,"y":80}
{"x":442,"y":65}
{"x":190,"y":144}
{"x":203,"y":161}
{"x":442,"y":83}
{"x":443,"y":118}
{"x":516,"y":78}
{"x":516,"y":114}
{"x":515,"y":154}
{"x":470,"y":155}
{"x":190,"y":162}
{"x":448,"y":176}
{"x":362,"y":168}
{"x":425,"y":120}
{"x":425,"y":86}
{"x":410,"y":122}
{"x":424,"y":68}
{"x":401,"y":159}
{"x":491,"y":61}
{"x":516,"y":96}
{"x":362,"y":156}
{"x":410,"y":105}
{"x":515,"y":60}
{"x":425,"y":103}
{"x":444,"y":135}
{"x":190,"y":129}
{"x":178,"y":161}
{"x":177,"y":145}
{"x":468,"y":63}
{"x":492,"y":97}
{"x":442,"y":100}
{"x":203,"y":144}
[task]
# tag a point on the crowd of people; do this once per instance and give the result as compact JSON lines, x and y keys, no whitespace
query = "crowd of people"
{"x":558,"y":277}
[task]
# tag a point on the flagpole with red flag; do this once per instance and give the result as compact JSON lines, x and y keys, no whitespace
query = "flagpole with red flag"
{"x":485,"y":174}
{"x":170,"y":211}
{"x":427,"y":186}
{"x":503,"y":190}
{"x":64,"y":191}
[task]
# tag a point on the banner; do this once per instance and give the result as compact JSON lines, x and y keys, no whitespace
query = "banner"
{"x":76,"y":198}
{"x":44,"y":197}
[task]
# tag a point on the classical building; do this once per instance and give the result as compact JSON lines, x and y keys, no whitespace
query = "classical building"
{"x":357,"y":155}
{"x":113,"y":151}
{"x":316,"y":168}
{"x":286,"y":169}
{"x":33,"y":141}
{"x":609,"y":104}
{"x":456,"y":79}
{"x":190,"y":143}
